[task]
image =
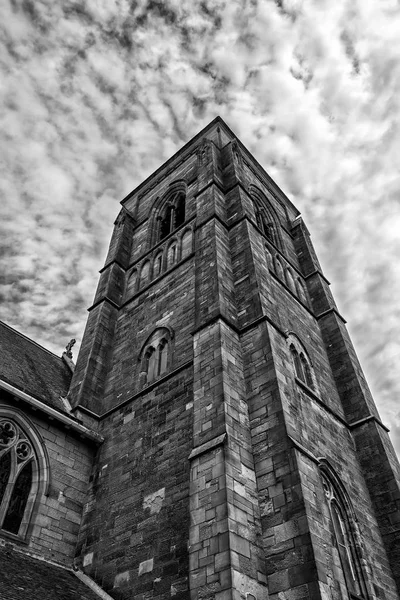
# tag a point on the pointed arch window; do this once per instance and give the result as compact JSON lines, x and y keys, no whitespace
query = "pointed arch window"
{"x":18,"y":464}
{"x":342,"y":525}
{"x":290,"y":280}
{"x":155,"y":356}
{"x":267,"y":220}
{"x":157,"y":265}
{"x":301,"y":363}
{"x":173,"y":215}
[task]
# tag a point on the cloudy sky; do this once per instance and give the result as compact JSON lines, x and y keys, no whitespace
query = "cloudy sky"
{"x":95,"y":95}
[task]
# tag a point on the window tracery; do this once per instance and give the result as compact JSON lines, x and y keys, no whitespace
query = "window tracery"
{"x":301,"y":362}
{"x":17,"y":460}
{"x":172,"y":216}
{"x":341,"y":522}
{"x":266,"y":218}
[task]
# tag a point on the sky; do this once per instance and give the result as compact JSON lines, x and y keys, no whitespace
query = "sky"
{"x":96,"y":95}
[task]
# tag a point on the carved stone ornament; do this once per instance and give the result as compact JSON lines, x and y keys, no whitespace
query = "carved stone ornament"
{"x":236,"y":152}
{"x":204,"y":152}
{"x":8,"y":434}
{"x":68,"y":348}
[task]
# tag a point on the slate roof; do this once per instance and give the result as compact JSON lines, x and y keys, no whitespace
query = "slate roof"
{"x":33,"y":369}
{"x":25,"y":578}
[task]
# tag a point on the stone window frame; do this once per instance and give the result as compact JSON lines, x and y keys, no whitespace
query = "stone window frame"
{"x":155,"y":356}
{"x":40,"y":480}
{"x":345,"y":531}
{"x":301,"y":361}
{"x":266,"y":217}
{"x":171,"y":207}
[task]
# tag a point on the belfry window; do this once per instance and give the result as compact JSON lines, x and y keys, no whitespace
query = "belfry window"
{"x":341,"y":525}
{"x":17,"y":463}
{"x":173,"y":215}
{"x":266,"y":217}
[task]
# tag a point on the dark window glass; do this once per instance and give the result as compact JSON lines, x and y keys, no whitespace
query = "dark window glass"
{"x":18,"y":500}
{"x":307,"y":371}
{"x":162,"y":357}
{"x":173,"y":215}
{"x":344,"y":549}
{"x":180,"y":210}
{"x":5,"y":469}
{"x":166,"y":222}
{"x":151,"y":364}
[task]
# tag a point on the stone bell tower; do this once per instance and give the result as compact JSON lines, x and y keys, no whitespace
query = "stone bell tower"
{"x":243,"y":456}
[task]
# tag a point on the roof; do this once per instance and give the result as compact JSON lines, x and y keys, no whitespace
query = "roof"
{"x":23,"y":577}
{"x":32,"y":369}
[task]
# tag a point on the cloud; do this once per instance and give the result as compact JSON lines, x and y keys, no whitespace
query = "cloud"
{"x":97,"y":96}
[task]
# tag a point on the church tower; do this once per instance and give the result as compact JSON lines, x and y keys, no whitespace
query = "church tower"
{"x":243,"y":455}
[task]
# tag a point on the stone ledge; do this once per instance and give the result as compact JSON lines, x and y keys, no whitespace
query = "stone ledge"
{"x":218,"y":441}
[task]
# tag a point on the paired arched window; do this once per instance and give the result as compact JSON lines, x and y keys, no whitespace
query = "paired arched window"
{"x":301,"y":362}
{"x":266,"y":219}
{"x":172,"y":216}
{"x":342,"y":524}
{"x":19,"y":477}
{"x":155,"y":355}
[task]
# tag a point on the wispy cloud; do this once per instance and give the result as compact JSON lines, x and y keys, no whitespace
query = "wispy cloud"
{"x":97,"y":95}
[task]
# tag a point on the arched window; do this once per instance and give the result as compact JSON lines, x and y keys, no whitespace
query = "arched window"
{"x":171,"y":256}
{"x":297,"y":362}
{"x":301,"y":291}
{"x":301,"y":362}
{"x":18,"y":466}
{"x":342,"y":524}
{"x":155,"y":355}
{"x":306,"y":370}
{"x":132,"y":283}
{"x":144,"y":274}
{"x":279,"y":268}
{"x":266,"y":218}
{"x":268,"y":258}
{"x":289,"y":280}
{"x":157,"y":265}
{"x":172,"y":216}
{"x":162,"y":357}
{"x":150,"y":364}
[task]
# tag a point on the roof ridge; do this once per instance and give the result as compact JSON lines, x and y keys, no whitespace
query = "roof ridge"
{"x":30,"y":340}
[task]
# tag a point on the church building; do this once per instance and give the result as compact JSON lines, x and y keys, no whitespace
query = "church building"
{"x":216,"y":439}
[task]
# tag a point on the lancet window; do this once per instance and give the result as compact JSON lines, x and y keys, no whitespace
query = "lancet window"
{"x":172,"y":216}
{"x":266,"y":218}
{"x":301,"y":362}
{"x":17,"y":467}
{"x":342,"y":525}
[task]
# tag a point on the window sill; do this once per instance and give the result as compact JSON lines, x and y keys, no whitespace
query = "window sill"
{"x":307,"y":389}
{"x":13,"y":537}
